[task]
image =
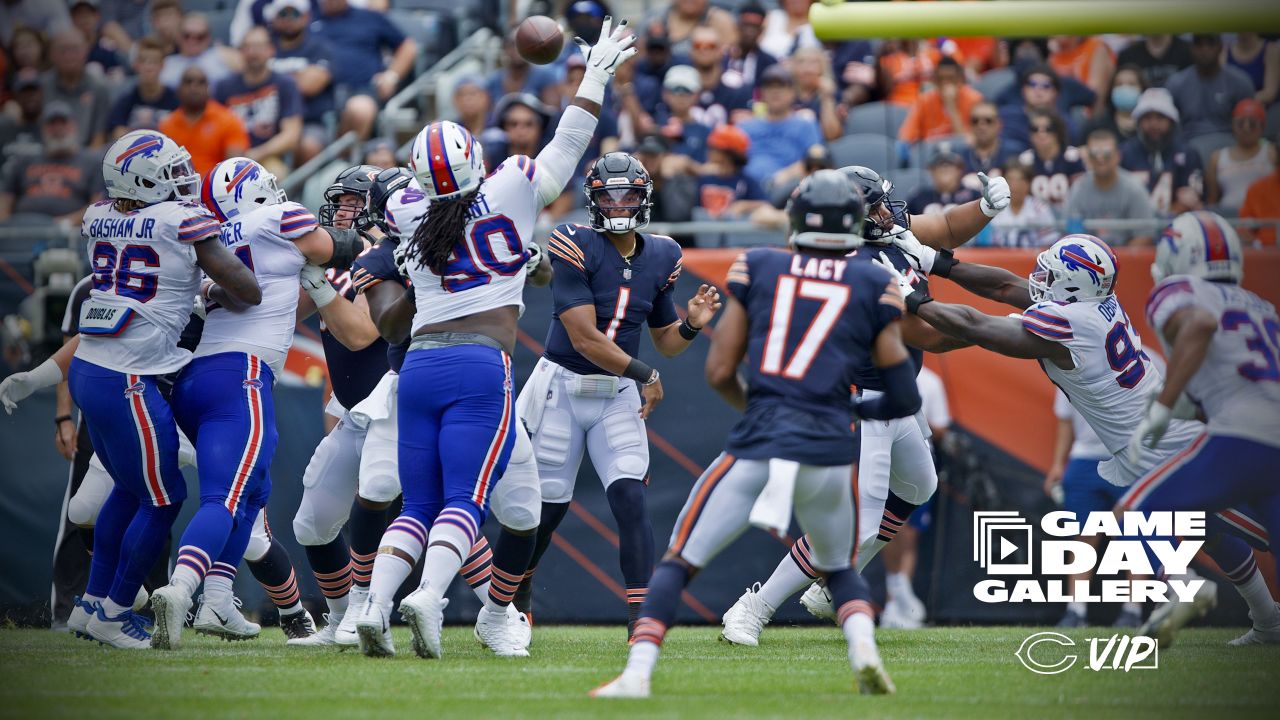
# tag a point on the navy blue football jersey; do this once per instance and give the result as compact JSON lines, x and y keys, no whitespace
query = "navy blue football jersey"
{"x":1051,"y":180}
{"x":811,"y":322}
{"x":867,"y":377}
{"x":376,"y":265}
{"x":589,"y":270}
{"x":353,"y":374}
{"x":1165,"y":172}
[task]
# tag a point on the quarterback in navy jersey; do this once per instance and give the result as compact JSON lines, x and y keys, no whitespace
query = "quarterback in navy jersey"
{"x":589,"y":391}
{"x":802,"y":320}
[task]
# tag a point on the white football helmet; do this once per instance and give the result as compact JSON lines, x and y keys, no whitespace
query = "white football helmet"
{"x":1076,"y":268}
{"x":238,"y":186}
{"x":447,"y":160}
{"x":147,"y":165}
{"x":1201,"y":244}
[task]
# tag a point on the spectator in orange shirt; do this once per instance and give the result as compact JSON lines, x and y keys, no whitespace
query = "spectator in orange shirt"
{"x":904,"y":66}
{"x":944,"y":110}
{"x":1262,"y":201}
{"x":207,"y":129}
{"x":1086,"y":59}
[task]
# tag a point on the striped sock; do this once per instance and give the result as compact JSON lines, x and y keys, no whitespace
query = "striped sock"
{"x":896,"y":514}
{"x":635,"y":601}
{"x":331,"y":565}
{"x":275,"y":573}
{"x":452,"y":536}
{"x":793,"y":574}
{"x":193,"y":564}
{"x":511,"y":556}
{"x":407,"y":535}
{"x":365,"y":529}
{"x":476,"y":569}
{"x":219,"y":583}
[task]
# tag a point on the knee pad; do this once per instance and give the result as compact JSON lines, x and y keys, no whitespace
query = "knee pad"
{"x":517,"y":498}
{"x":310,"y":531}
{"x":380,"y":464}
{"x":626,"y":451}
{"x":259,"y":539}
{"x":97,"y":484}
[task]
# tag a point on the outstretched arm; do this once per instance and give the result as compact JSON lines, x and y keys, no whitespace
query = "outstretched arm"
{"x":958,"y":225}
{"x":1004,"y":335}
{"x":992,"y":283}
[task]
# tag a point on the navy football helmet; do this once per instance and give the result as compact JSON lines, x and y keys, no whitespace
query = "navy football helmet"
{"x":355,"y":180}
{"x":384,"y":184}
{"x":618,"y":181}
{"x":827,"y":212}
{"x":883,"y":211}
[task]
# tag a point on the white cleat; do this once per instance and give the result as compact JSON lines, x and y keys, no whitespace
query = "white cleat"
{"x":521,"y":631}
{"x":1255,"y":636}
{"x":868,"y":670}
{"x":623,"y":686}
{"x":170,"y":604}
{"x":373,"y":628}
{"x":746,"y":619}
{"x":1169,"y":618}
{"x":344,"y":636}
{"x":494,"y":631}
{"x":127,"y":631}
{"x":324,"y":636}
{"x":81,"y":613}
{"x":140,"y":600}
{"x":424,"y":613}
{"x":898,"y":617}
{"x":225,"y":622}
{"x":818,"y":602}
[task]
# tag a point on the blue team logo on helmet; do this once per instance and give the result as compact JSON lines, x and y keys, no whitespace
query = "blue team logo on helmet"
{"x":243,"y":172}
{"x":144,"y":146}
{"x":1076,"y":257}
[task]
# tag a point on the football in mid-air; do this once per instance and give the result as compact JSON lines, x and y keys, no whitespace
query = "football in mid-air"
{"x":539,"y":39}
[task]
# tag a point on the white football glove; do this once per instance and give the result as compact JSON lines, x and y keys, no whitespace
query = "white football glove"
{"x":920,"y":255}
{"x":611,"y":50}
{"x":904,"y":283}
{"x":402,"y":262}
{"x":995,"y":195}
{"x":19,"y":386}
{"x":317,"y":285}
{"x":535,"y":258}
{"x":1151,"y":428}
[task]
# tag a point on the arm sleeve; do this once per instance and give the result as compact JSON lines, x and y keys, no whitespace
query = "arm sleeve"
{"x":570,"y":283}
{"x":1047,"y":321}
{"x":739,"y":278}
{"x":901,"y":396}
{"x":557,"y":161}
{"x":890,"y":306}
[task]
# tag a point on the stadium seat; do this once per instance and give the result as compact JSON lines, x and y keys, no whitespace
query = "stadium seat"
{"x":1206,"y":144}
{"x":993,"y":82}
{"x":877,"y":117}
{"x":873,"y":150}
{"x":434,"y":33}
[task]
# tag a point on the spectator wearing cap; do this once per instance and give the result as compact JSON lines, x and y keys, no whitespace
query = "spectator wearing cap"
{"x":1159,"y":158}
{"x":258,"y":12}
{"x":584,"y":19}
{"x":61,"y":180}
{"x":103,"y":58}
{"x":523,"y":120}
{"x":781,"y":137}
{"x":1157,"y":56}
{"x":147,"y":101}
{"x":816,"y":90}
{"x":518,"y":76}
{"x":1262,"y":202}
{"x":267,"y":102}
{"x":787,"y":29}
{"x":724,"y":191}
{"x":68,"y":81}
{"x":675,"y":118}
{"x":309,"y":61}
{"x":357,"y":38}
{"x":989,"y":150}
{"x":1087,"y":59}
{"x":1258,"y":59}
{"x":722,"y":97}
{"x":745,"y":56}
{"x":1055,"y":165}
{"x":379,"y":152}
{"x":45,"y":16}
{"x":944,"y":110}
{"x":1107,"y":192}
{"x":1231,"y":170}
{"x":20,"y":129}
{"x":197,"y":46}
{"x":471,"y":104}
{"x":1208,"y":91}
{"x":1040,"y":90}
{"x":682,"y":18}
{"x":207,"y":129}
{"x":1028,"y":221}
{"x":946,"y":169}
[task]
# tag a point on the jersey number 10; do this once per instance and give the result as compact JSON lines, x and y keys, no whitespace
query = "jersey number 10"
{"x":833,"y":297}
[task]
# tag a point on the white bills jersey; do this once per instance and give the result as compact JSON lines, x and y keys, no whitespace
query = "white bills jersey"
{"x":1110,"y":382}
{"x":1238,"y":384}
{"x":487,"y":268}
{"x":263,"y":240}
{"x":145,"y":281}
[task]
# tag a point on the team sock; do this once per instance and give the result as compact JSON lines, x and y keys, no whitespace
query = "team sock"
{"x":896,"y":514}
{"x":552,"y":514}
{"x":511,"y":556}
{"x":852,"y":599}
{"x":274,"y":571}
{"x":477,"y":569}
{"x":407,"y":535}
{"x":635,"y":541}
{"x":365,"y":527}
{"x":331,"y":565}
{"x":203,"y":540}
{"x":452,"y":536}
{"x":112,"y":609}
{"x":219,"y":584}
{"x":658,"y":613}
{"x":792,"y":575}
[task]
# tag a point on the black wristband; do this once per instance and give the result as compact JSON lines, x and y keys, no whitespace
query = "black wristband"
{"x":687,"y":331}
{"x":61,"y":419}
{"x":943,"y":263}
{"x":639,"y":371}
{"x":916,"y":299}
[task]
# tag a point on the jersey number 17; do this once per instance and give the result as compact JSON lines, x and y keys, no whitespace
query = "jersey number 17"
{"x":790,"y":290}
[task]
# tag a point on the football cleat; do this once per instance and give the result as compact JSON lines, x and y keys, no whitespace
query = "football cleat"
{"x":140,"y":600}
{"x":1169,"y":618}
{"x":127,"y":631}
{"x":226,"y":622}
{"x":297,"y":626}
{"x":818,"y":602}
{"x":1255,"y":636}
{"x":521,"y":627}
{"x":170,"y":604}
{"x":494,"y":630}
{"x":869,"y":671}
{"x":1128,"y":618}
{"x":321,"y":637}
{"x":744,"y":621}
{"x":81,"y":613}
{"x":623,"y":686}
{"x":373,"y":627}
{"x":897,"y":615}
{"x":344,"y":635}
{"x":424,"y":613}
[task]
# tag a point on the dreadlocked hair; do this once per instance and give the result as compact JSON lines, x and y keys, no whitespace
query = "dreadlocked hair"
{"x":434,"y":240}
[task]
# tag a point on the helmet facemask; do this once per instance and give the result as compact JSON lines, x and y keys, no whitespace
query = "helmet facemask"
{"x":621,"y":208}
{"x":345,"y":209}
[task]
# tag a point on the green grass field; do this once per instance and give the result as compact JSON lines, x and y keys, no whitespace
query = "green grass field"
{"x":795,"y":673}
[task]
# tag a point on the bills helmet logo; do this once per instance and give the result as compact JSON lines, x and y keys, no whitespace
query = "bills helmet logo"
{"x":243,"y":172}
{"x":1076,"y":257}
{"x":144,"y":146}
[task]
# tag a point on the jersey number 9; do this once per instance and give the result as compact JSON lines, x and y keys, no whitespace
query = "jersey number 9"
{"x":117,"y":271}
{"x":475,"y":261}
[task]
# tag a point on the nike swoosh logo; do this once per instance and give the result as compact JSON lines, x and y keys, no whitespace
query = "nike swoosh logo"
{"x":572,"y":231}
{"x":220,"y":618}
